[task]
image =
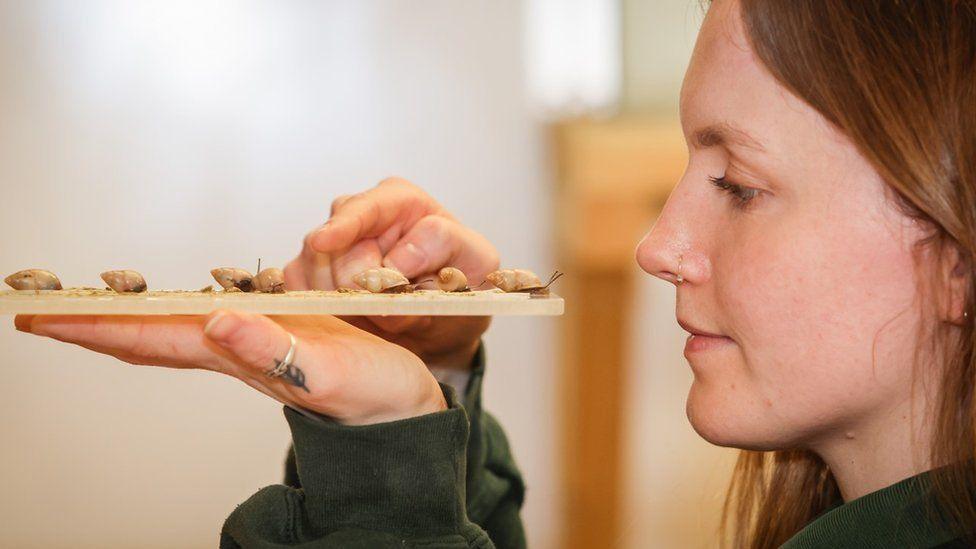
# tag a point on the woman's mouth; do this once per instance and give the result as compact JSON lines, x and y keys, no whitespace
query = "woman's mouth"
{"x":698,"y":343}
{"x":700,"y":340}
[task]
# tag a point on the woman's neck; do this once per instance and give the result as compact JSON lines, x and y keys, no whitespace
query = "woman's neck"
{"x":881,"y":450}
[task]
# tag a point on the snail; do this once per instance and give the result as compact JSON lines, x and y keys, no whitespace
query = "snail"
{"x":270,"y":280}
{"x":383,"y":280}
{"x":33,"y":279}
{"x":125,"y":281}
{"x":520,"y":280}
{"x":450,"y":279}
{"x":232,"y":277}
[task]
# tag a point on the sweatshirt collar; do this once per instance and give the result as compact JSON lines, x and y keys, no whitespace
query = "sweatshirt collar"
{"x":900,"y":515}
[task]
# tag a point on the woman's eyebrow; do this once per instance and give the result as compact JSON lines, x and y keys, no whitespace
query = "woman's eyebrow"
{"x":724,"y":134}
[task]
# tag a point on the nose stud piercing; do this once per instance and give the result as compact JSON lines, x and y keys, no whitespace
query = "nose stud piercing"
{"x":680,"y":278}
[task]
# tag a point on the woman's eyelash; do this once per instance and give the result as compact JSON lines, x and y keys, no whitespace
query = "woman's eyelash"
{"x":741,"y":196}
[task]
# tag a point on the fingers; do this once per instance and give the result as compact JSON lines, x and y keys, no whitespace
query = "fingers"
{"x":401,"y":324}
{"x":254,"y":339}
{"x":154,"y":340}
{"x":370,"y":214}
{"x":295,"y":280}
{"x":435,"y":242}
{"x":363,"y":255}
{"x":312,"y":273}
{"x":259,"y":345}
{"x":23,"y":322}
{"x":366,"y":226}
{"x":394,"y":224}
{"x":338,"y":202}
{"x":310,"y":270}
{"x":335,"y":369}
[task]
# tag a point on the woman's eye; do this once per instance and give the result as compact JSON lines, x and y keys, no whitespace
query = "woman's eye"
{"x":741,"y":196}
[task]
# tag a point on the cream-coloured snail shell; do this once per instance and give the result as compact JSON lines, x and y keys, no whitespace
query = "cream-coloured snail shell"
{"x":33,"y":279}
{"x":125,"y":281}
{"x":380,"y":279}
{"x":514,"y":280}
{"x":270,"y":280}
{"x":450,"y":279}
{"x":232,"y":277}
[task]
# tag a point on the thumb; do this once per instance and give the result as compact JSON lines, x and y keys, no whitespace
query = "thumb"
{"x":260,"y":345}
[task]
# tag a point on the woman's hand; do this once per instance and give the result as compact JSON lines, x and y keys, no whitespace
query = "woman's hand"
{"x":337,"y":369}
{"x":396,"y":224}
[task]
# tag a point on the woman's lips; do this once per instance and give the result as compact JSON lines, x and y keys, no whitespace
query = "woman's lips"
{"x":701,"y":340}
{"x":699,"y":343}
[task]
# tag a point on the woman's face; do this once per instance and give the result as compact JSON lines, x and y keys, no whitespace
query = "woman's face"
{"x":805,"y":268}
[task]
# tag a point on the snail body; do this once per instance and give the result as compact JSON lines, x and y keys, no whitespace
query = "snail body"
{"x":383,"y":280}
{"x":33,"y":279}
{"x":514,"y":280}
{"x":125,"y":281}
{"x":232,"y":277}
{"x":521,"y":280}
{"x":270,"y":280}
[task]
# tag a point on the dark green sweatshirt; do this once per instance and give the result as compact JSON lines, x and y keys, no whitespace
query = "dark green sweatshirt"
{"x":443,"y":480}
{"x":448,"y":480}
{"x":903,"y":515}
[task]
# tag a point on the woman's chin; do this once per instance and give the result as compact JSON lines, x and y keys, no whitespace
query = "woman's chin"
{"x":726,"y":422}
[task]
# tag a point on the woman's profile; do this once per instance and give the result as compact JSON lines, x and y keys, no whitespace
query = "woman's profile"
{"x":821,"y":245}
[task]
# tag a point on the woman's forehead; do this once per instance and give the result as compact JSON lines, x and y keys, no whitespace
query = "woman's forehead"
{"x":728,"y":86}
{"x":723,"y":68}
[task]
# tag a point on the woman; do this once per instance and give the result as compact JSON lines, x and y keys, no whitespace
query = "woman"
{"x":821,"y":244}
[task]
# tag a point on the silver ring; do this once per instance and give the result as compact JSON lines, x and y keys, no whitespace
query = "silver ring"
{"x":281,"y":367}
{"x":680,"y":278}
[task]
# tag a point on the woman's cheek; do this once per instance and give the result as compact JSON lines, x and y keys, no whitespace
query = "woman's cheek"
{"x":822,"y":335}
{"x":773,"y":384}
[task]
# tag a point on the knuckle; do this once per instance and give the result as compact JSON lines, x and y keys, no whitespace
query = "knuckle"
{"x":395,"y":181}
{"x":142,"y":344}
{"x":338,"y":202}
{"x":347,"y":202}
{"x":264,"y":352}
{"x":307,"y":245}
{"x":435,"y":226}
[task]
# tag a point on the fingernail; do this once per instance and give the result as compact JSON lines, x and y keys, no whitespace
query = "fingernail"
{"x":220,"y":326}
{"x":23,"y":323}
{"x":407,"y":259}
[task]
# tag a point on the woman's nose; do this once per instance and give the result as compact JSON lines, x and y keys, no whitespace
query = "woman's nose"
{"x":656,"y":257}
{"x":671,"y":251}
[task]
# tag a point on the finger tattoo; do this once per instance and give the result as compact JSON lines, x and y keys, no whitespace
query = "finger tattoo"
{"x":293,"y":374}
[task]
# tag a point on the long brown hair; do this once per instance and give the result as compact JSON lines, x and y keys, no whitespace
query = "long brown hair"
{"x":898,"y":77}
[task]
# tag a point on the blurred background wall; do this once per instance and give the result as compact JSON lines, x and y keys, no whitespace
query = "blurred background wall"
{"x":170,"y":137}
{"x":674,"y":482}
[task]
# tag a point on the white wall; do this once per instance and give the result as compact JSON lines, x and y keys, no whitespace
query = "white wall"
{"x":173,"y":137}
{"x":658,"y":36}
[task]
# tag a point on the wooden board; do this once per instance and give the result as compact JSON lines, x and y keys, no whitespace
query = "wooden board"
{"x":181,"y":302}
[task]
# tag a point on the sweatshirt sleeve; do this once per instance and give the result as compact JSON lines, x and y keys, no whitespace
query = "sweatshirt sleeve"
{"x":440,"y":480}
